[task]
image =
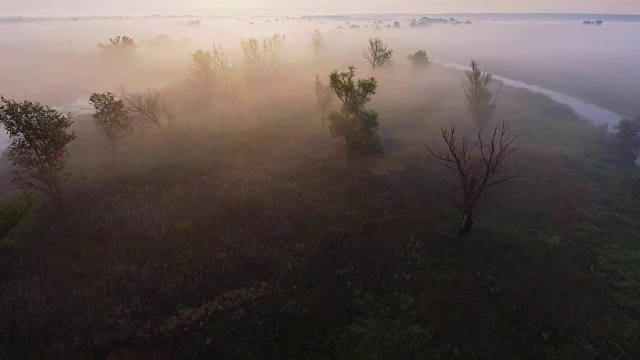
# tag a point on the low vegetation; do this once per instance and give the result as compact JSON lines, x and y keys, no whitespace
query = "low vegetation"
{"x":237,"y":230}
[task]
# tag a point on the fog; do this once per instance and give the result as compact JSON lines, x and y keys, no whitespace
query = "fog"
{"x":57,"y":61}
{"x":273,"y":204}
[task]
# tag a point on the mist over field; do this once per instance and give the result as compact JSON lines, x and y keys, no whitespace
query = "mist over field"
{"x":595,"y":63}
{"x":294,"y":186}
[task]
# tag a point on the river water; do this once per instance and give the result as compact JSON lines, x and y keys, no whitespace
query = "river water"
{"x":585,"y":110}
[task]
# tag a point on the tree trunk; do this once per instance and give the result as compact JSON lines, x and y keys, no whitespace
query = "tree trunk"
{"x":113,"y":152}
{"x":467,"y":223}
{"x":322,"y":122}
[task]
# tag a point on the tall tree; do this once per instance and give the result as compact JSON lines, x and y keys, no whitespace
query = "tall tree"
{"x":378,"y":56}
{"x":480,"y":100}
{"x":317,"y":43}
{"x":254,"y":57}
{"x":478,"y":166}
{"x":324,"y":97}
{"x":272,"y":49}
{"x":222,"y":64}
{"x":356,"y":124}
{"x":203,"y":71}
{"x":38,"y":150}
{"x":111,"y":117}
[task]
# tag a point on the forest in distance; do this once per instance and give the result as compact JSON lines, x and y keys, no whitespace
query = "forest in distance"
{"x":291,"y":188}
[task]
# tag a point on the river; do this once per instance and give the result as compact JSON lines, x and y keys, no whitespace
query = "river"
{"x":584,"y":110}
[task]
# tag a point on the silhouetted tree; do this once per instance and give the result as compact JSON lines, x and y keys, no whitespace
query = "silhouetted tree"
{"x":480,"y":100}
{"x":317,"y":43}
{"x":111,"y":117}
{"x":38,"y":150}
{"x":478,"y":166}
{"x":119,"y":44}
{"x":627,"y":136}
{"x":378,"y":56}
{"x":203,"y":71}
{"x":419,"y":59}
{"x":357,"y":125}
{"x":254,"y":57}
{"x":222,"y":64}
{"x":272,"y":48}
{"x":150,"y":108}
{"x":324,"y":96}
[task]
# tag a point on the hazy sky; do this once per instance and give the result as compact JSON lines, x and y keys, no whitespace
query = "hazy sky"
{"x":212,"y":7}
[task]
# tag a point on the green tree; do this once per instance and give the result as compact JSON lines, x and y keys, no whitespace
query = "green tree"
{"x":627,"y":137}
{"x":357,"y":125}
{"x":38,"y":150}
{"x":111,"y":117}
{"x":481,"y":103}
{"x":324,"y":97}
{"x":378,"y":56}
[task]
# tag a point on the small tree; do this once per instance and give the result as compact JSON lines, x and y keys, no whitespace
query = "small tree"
{"x":38,"y":150}
{"x":150,"y":108}
{"x":357,"y":125}
{"x":203,"y":71}
{"x":120,"y":44}
{"x":111,"y":117}
{"x":627,"y":137}
{"x":419,"y":60}
{"x":324,"y":96}
{"x":481,"y":103}
{"x":478,"y":165}
{"x":378,"y":56}
{"x":317,"y":43}
{"x":272,"y":48}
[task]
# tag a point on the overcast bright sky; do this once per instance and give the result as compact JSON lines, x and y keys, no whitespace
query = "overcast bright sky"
{"x":211,"y":7}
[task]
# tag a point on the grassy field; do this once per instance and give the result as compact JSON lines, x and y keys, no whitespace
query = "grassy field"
{"x":242,"y":234}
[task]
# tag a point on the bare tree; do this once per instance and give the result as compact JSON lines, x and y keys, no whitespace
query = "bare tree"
{"x":272,"y":48}
{"x":150,"y":108}
{"x":222,"y":64}
{"x":324,"y":96}
{"x":317,"y":43}
{"x":254,"y":57}
{"x":203,"y":71}
{"x":378,"y":56}
{"x":478,"y":165}
{"x":481,"y":103}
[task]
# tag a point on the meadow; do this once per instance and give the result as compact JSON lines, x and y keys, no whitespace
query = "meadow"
{"x":245,"y":233}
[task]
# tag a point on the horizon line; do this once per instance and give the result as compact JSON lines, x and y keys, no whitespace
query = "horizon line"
{"x":313,"y":14}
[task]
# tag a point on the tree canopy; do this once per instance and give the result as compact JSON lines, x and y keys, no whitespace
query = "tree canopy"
{"x":356,"y":124}
{"x":111,"y":117}
{"x":38,"y":150}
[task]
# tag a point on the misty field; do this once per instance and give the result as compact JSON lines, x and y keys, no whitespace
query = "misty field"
{"x":237,"y":227}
